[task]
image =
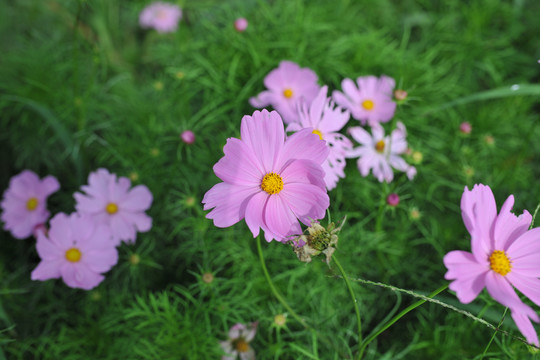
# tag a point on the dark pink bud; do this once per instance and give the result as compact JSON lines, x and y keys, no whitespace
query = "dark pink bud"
{"x":465,"y":127}
{"x":188,"y":137}
{"x":392,"y":199}
{"x":241,"y":24}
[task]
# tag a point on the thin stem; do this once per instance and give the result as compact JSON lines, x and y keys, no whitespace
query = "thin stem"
{"x":494,"y":334}
{"x":353,"y":297}
{"x":396,"y":318}
{"x":274,"y":290}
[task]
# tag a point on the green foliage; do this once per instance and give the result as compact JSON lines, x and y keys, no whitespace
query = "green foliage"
{"x":83,"y":87}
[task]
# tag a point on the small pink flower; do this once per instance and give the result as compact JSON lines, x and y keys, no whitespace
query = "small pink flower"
{"x":241,"y":24}
{"x":75,"y":249}
{"x":112,"y":202}
{"x":371,"y":101}
{"x":393,"y":199}
{"x":465,"y":127}
{"x":504,"y":255}
{"x":270,"y":181}
{"x":325,"y":120}
{"x":381,"y":153}
{"x":24,"y":205}
{"x":287,"y":85}
{"x":188,"y":137}
{"x":238,"y":343}
{"x":163,"y":17}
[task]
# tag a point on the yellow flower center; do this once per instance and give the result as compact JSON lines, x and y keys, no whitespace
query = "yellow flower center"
{"x":318,"y":133}
{"x":288,"y":93}
{"x":73,"y":255}
{"x":111,"y":208}
{"x":241,"y":345}
{"x":368,"y":104}
{"x":32,"y":204}
{"x":272,"y":183}
{"x":379,"y":146}
{"x":499,"y":262}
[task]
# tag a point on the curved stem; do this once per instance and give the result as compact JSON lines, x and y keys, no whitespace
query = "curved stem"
{"x":353,"y":297}
{"x":274,"y":290}
{"x":494,"y":334}
{"x":397,"y":317}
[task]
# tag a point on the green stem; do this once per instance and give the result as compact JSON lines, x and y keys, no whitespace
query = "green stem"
{"x":353,"y":297}
{"x":494,"y":333}
{"x":396,"y":318}
{"x":274,"y":290}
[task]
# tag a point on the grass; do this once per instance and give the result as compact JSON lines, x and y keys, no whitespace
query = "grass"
{"x":83,"y":87}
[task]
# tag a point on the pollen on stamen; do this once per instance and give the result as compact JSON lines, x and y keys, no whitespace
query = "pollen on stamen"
{"x":73,"y":255}
{"x":379,"y":146}
{"x":111,"y":208}
{"x":317,"y":132}
{"x":32,"y":204}
{"x":288,"y":93}
{"x":368,"y":104}
{"x":241,"y":345}
{"x":272,"y":183}
{"x":499,"y":262}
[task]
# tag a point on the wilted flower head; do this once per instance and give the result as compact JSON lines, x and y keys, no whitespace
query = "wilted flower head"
{"x":369,"y":100}
{"x":287,"y":85}
{"x":504,"y":255}
{"x":161,"y":16}
{"x":24,"y":205}
{"x":270,"y":181}
{"x":240,"y":24}
{"x":381,"y":153}
{"x":110,"y":201}
{"x":318,"y":240}
{"x":326,"y":120}
{"x":237,"y":346}
{"x":76,"y":249}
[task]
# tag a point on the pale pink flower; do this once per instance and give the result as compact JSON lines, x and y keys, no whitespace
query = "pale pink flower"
{"x":240,"y":24}
{"x":161,"y":16}
{"x":504,"y":255}
{"x":238,"y":343}
{"x":188,"y":137}
{"x":287,"y":86}
{"x":111,"y":201}
{"x":325,"y":120}
{"x":381,"y":153}
{"x":270,"y":181}
{"x":24,"y":205}
{"x":75,"y":249}
{"x":369,"y":100}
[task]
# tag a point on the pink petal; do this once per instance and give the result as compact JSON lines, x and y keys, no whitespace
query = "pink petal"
{"x":48,"y":250}
{"x":142,"y":222}
{"x":280,"y":219}
{"x":122,"y":230}
{"x":468,"y":289}
{"x":500,"y":289}
{"x":47,"y":270}
{"x":60,"y":231}
{"x":303,"y":171}
{"x":303,"y":145}
{"x":138,"y":198}
{"x":90,"y":205}
{"x":78,"y":275}
{"x":530,"y":287}
{"x":350,"y":89}
{"x":49,"y":185}
{"x":24,"y":184}
{"x":528,"y":243}
{"x":317,"y":106}
{"x":254,"y":212}
{"x":118,"y":190}
{"x":239,"y":166}
{"x":100,"y":261}
{"x":307,"y":202}
{"x":463,"y":265}
{"x":263,"y":133}
{"x":236,"y":331}
{"x":509,"y":227}
{"x":262,"y":100}
{"x":229,"y":203}
{"x":101,"y":239}
{"x":525,"y":327}
{"x":361,"y":136}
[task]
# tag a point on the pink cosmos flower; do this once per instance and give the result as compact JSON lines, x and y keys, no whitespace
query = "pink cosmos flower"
{"x":24,"y":205}
{"x":270,"y":181}
{"x":381,"y":153}
{"x":161,"y":16}
{"x":504,"y":255}
{"x":75,"y":249}
{"x":326,"y":121}
{"x":287,"y":85}
{"x":371,"y":102}
{"x":112,"y":202}
{"x":240,"y":24}
{"x":238,"y":343}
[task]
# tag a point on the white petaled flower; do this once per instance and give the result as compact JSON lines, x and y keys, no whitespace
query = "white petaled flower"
{"x":381,"y":153}
{"x":326,"y":120}
{"x":237,"y":346}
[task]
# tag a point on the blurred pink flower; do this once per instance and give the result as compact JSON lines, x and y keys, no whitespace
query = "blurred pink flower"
{"x":381,"y":153}
{"x":163,"y":17}
{"x":504,"y":254}
{"x":24,"y":205}
{"x":75,"y":249}
{"x":112,"y":202}
{"x":371,"y":101}
{"x":287,"y":85}
{"x":326,"y":120}
{"x":238,"y":343}
{"x":465,"y":127}
{"x":392,"y":199}
{"x":188,"y":137}
{"x":241,"y":24}
{"x":270,"y":181}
